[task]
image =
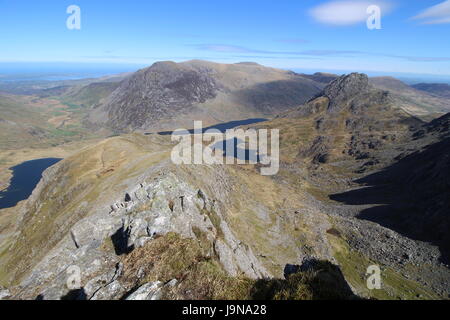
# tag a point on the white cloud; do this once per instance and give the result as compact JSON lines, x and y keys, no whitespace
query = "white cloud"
{"x":343,"y":13}
{"x":437,"y":14}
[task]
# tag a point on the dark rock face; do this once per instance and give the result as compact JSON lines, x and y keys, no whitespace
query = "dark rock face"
{"x":151,"y":94}
{"x":440,"y":125}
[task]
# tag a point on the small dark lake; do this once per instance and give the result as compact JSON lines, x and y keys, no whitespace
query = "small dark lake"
{"x":222,"y":127}
{"x":237,"y":152}
{"x":25,"y":178}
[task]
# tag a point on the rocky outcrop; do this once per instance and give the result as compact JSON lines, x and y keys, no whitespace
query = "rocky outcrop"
{"x":346,"y":89}
{"x":153,"y":208}
{"x":353,"y":119}
{"x":4,"y":293}
{"x":149,"y":94}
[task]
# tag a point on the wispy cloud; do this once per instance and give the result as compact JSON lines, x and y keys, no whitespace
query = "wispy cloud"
{"x":344,"y":13}
{"x":421,"y":59}
{"x":239,"y":51}
{"x":293,"y":57}
{"x":292,"y":40}
{"x":226,"y":48}
{"x":437,"y":14}
{"x":223,"y":48}
{"x":331,"y":52}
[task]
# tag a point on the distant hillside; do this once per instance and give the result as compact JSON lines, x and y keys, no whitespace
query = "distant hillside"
{"x":38,"y":122}
{"x":20,"y":125}
{"x":44,"y":88}
{"x":170,"y":95}
{"x":415,"y":102}
{"x":91,"y":94}
{"x":438,"y":89}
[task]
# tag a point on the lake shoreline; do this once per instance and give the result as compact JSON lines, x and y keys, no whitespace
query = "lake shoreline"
{"x":25,"y":178}
{"x":221,"y":126}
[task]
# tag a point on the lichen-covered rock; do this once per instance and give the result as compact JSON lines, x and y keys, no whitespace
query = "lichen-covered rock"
{"x":4,"y":293}
{"x":149,"y":291}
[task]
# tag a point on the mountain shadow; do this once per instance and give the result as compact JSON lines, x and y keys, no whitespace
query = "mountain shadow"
{"x":276,"y":96}
{"x":75,"y":295}
{"x":120,"y":240}
{"x":412,"y":196}
{"x":314,"y":280}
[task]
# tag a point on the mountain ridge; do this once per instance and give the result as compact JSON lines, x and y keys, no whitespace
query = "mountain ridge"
{"x":415,"y":102}
{"x":182,"y":92}
{"x":438,"y":89}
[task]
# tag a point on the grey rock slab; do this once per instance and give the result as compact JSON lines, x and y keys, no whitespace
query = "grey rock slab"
{"x":149,"y":291}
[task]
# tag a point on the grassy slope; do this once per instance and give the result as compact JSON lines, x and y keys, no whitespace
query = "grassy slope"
{"x":89,"y":95}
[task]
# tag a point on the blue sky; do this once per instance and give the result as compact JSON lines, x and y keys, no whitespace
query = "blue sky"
{"x":300,"y":34}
